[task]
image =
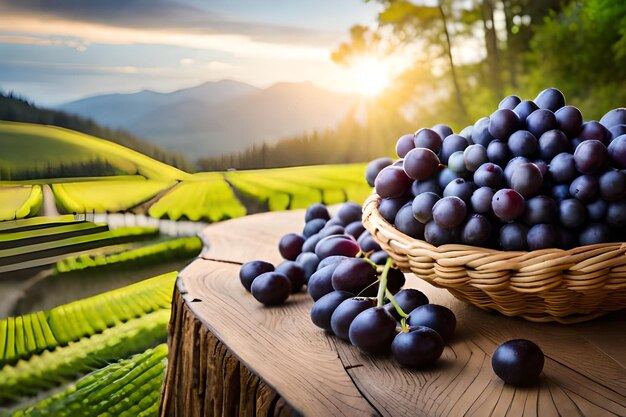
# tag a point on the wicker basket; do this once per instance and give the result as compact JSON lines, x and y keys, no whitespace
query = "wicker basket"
{"x":567,"y":286}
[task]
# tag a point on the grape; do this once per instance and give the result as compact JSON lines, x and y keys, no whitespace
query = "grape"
{"x":439,"y":318}
{"x":374,"y":167}
{"x":320,"y":282}
{"x":543,"y":166}
{"x":373,"y":330}
{"x":331,"y":260}
{"x":437,"y":236}
{"x":442,"y":130}
{"x":313,"y":226}
{"x":392,"y":182}
{"x":395,"y":280}
{"x":567,"y":238}
{"x":408,"y":300}
{"x":526,"y":179}
{"x":449,"y":212}
{"x":502,"y":123}
{"x":428,"y":138}
{"x":271,"y":288}
{"x":481,"y":200}
{"x":417,"y":348}
{"x":353,"y":275}
{"x":594,"y":233}
{"x":509,"y":102}
{"x":513,"y":236}
{"x":430,"y":185}
{"x":407,"y":224}
{"x":450,"y":145}
{"x":518,"y":362}
{"x":585,"y":188}
{"x":379,"y":257}
{"x":311,"y":242}
{"x":570,"y":120}
{"x":617,"y":152}
{"x":336,"y":245}
{"x":480,"y":132}
{"x":590,"y":156}
{"x":551,"y":99}
{"x":250,"y":270}
{"x":355,"y":229}
{"x":345,"y":313}
{"x":512,"y":166}
{"x":316,"y":211}
{"x":540,"y":209}
{"x":552,"y":143}
{"x":541,"y":121}
{"x":467,"y":133}
{"x":594,"y":131}
{"x":617,"y":130}
{"x":614,"y":117}
{"x":612,"y":185}
{"x":308,"y":261}
{"x":488,"y":175}
{"x":524,"y":109}
{"x":421,"y":163}
{"x":563,"y":168}
{"x":499,"y":153}
{"x":542,"y":236}
{"x":445,"y":176}
{"x":349,"y":212}
{"x":474,"y":156}
{"x":422,"y":206}
{"x":294,"y":272}
{"x":404,"y":145}
{"x":460,"y":188}
{"x":290,"y":246}
{"x":456,"y":163}
{"x":324,"y":307}
{"x":572,"y":213}
{"x":388,"y":208}
{"x":331,"y":230}
{"x":616,"y":214}
{"x":507,"y":204}
{"x":560,"y":192}
{"x":596,"y":210}
{"x":367,"y":243}
{"x":522,"y":143}
{"x":476,"y":230}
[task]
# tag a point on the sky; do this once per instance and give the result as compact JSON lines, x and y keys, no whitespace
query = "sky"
{"x":54,"y":51}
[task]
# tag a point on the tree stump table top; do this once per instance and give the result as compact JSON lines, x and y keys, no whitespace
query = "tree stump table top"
{"x":231,"y":356}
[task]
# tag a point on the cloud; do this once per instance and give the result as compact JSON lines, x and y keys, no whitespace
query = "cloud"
{"x":32,"y":40}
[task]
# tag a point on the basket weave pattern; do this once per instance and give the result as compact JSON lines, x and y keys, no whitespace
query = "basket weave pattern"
{"x":567,"y":286}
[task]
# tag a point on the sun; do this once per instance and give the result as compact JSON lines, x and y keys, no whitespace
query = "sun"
{"x":371,"y":76}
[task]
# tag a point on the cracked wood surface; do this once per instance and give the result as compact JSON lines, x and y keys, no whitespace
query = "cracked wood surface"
{"x":298,"y":369}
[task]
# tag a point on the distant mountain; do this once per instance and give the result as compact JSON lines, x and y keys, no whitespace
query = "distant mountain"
{"x":218,"y":117}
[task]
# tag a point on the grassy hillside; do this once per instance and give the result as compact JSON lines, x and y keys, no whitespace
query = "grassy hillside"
{"x":36,"y":151}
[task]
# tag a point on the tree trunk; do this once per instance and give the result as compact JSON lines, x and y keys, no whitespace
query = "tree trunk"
{"x":457,"y":89}
{"x":511,"y":50}
{"x":491,"y":43}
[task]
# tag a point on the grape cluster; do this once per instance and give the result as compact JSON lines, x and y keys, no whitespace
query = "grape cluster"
{"x":532,"y":175}
{"x":357,"y":292}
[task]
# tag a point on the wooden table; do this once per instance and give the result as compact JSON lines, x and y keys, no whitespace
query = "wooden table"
{"x":230,"y":356}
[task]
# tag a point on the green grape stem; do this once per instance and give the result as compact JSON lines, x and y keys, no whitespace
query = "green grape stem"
{"x":396,"y":306}
{"x":382,"y":285}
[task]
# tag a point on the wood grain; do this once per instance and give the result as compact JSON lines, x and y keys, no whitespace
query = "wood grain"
{"x":306,"y":371}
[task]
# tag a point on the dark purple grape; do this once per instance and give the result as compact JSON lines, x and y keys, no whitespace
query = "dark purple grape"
{"x":439,"y":318}
{"x":323,"y":308}
{"x":570,"y":120}
{"x":481,"y":200}
{"x":353,"y":275}
{"x":596,"y":210}
{"x":316,"y":211}
{"x":408,"y":300}
{"x":428,"y":138}
{"x":449,"y":212}
{"x":572,"y":213}
{"x":320,"y":282}
{"x":518,"y":362}
{"x":456,"y":163}
{"x":614,"y":117}
{"x":541,"y":121}
{"x":290,"y":246}
{"x":367,"y":243}
{"x":445,"y":176}
{"x":616,"y":214}
{"x":430,"y":185}
{"x":379,"y":257}
{"x":392,"y":182}
{"x":617,"y":152}
{"x":311,"y":242}
{"x":373,"y":330}
{"x":612,"y":185}
{"x":551,"y":99}
{"x":406,"y":223}
{"x":542,"y":165}
{"x":563,"y":168}
{"x":511,"y":166}
{"x":594,"y":131}
{"x":560,"y":192}
{"x":594,"y":233}
{"x":349,"y":212}
{"x":540,"y":209}
{"x":524,"y":109}
{"x":294,"y":272}
{"x":526,"y":179}
{"x":522,"y":143}
{"x":355,"y":229}
{"x":404,"y":145}
{"x":474,"y":156}
{"x":499,"y":153}
{"x":422,"y":206}
{"x":331,"y":230}
{"x":509,"y":102}
{"x":395,"y":280}
{"x":271,"y":288}
{"x":418,"y":348}
{"x":336,"y":245}
{"x":388,"y":208}
{"x":442,"y":130}
{"x":591,"y":156}
{"x":345,"y":313}
{"x":421,"y":163}
{"x":552,"y":143}
{"x":467,"y":134}
{"x":312,"y":227}
{"x":331,"y":260}
{"x":437,"y":236}
{"x":543,"y":236}
{"x":450,"y":145}
{"x":585,"y":188}
{"x":617,"y":130}
{"x":568,"y":239}
{"x":250,"y":270}
{"x":480,"y":132}
{"x":308,"y":261}
{"x":374,"y":167}
{"x":502,"y":123}
{"x":488,"y":175}
{"x":513,"y":236}
{"x":460,"y":188}
{"x":508,"y":204}
{"x":476,"y":230}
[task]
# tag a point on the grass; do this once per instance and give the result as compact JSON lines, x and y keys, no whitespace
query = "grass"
{"x":19,"y":201}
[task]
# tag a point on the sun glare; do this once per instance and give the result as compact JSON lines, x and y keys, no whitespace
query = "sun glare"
{"x":371,"y":76}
